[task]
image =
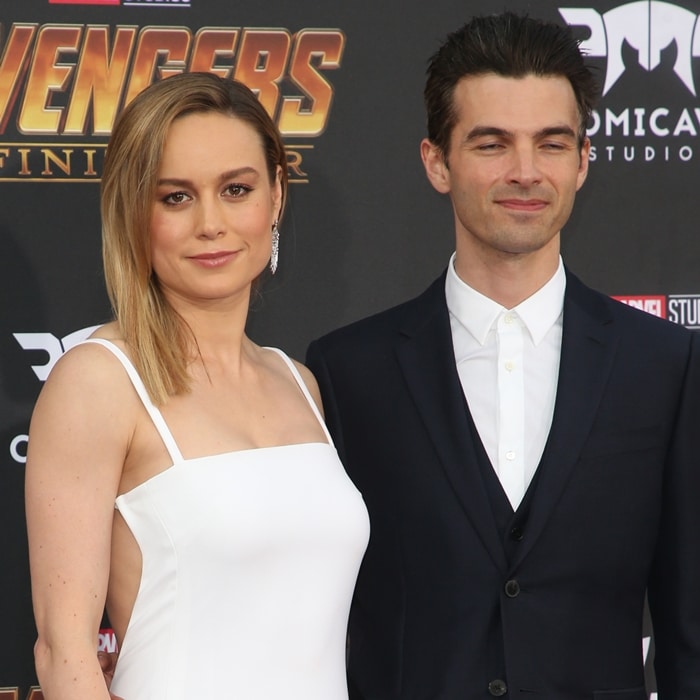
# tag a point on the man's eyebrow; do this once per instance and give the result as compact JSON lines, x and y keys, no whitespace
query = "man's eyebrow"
{"x":555,"y":130}
{"x":559,"y":130}
{"x":479,"y":131}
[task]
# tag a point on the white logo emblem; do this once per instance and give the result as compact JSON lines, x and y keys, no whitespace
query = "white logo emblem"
{"x":52,"y":346}
{"x":649,"y":26}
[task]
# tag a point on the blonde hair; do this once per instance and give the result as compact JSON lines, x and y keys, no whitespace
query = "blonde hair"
{"x":161,"y":344}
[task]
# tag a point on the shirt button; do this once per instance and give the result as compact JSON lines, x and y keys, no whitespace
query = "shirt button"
{"x":508,"y":318}
{"x":510,"y":455}
{"x":509,"y":366}
{"x":498,"y":688}
{"x":512,"y":588}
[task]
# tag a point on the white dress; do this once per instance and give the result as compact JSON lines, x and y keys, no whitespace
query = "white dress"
{"x":249,"y":564}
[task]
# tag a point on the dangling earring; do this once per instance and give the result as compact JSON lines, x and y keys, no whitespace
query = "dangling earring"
{"x":275,"y":255}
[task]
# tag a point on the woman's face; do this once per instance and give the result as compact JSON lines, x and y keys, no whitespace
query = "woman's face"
{"x":211,"y":220}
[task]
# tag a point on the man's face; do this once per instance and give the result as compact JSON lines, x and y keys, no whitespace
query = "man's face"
{"x":514,"y":164}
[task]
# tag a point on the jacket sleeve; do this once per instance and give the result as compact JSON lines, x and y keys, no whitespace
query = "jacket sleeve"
{"x":316,"y":362}
{"x":674,"y":585}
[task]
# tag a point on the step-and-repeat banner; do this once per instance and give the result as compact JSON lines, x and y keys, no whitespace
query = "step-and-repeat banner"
{"x":363,"y":229}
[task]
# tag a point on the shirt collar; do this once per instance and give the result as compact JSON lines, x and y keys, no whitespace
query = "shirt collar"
{"x":477,"y":313}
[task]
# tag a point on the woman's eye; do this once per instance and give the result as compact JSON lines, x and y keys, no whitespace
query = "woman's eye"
{"x":175,"y":198}
{"x":237,"y":190}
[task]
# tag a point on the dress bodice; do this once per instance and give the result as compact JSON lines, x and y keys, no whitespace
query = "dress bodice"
{"x":249,"y":564}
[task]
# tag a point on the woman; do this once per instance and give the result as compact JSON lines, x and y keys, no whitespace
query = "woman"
{"x":177,"y":472}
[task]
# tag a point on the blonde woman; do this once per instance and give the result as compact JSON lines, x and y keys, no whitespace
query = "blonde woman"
{"x":177,"y":472}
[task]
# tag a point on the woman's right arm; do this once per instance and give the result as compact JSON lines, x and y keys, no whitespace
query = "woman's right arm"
{"x":78,"y":441}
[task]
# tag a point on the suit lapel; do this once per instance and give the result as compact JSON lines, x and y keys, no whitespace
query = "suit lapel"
{"x":426,"y":357}
{"x":587,"y":353}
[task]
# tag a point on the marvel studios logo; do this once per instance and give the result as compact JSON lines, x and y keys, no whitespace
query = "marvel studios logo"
{"x":126,"y":3}
{"x":654,"y":305}
{"x":683,"y":309}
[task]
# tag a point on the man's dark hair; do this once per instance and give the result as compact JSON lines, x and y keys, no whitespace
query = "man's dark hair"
{"x":509,"y":45}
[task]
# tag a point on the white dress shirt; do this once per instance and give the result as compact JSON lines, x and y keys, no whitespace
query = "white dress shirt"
{"x":508,"y":364}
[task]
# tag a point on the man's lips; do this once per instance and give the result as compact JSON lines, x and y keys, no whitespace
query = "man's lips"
{"x":523,"y":204}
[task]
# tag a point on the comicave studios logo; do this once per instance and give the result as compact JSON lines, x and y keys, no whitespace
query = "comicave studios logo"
{"x":647,"y":28}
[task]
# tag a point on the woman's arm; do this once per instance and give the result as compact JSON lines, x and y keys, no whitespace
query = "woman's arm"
{"x":78,"y":441}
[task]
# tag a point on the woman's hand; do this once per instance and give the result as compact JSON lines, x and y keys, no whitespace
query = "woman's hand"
{"x":108,"y":662}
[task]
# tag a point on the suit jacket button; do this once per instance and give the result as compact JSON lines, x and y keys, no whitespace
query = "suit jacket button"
{"x":498,"y":688}
{"x":512,"y":588}
{"x":516,"y":534}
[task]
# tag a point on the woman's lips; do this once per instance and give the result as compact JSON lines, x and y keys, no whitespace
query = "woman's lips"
{"x":215,"y":259}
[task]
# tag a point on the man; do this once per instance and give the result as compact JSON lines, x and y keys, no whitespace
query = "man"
{"x":525,"y":445}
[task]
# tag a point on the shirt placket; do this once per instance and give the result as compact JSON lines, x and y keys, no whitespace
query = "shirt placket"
{"x":511,"y":407}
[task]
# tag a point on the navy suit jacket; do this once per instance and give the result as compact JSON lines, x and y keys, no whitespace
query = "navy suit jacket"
{"x":447,"y":606}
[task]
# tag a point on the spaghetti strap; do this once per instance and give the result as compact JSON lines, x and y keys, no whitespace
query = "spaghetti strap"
{"x":155,"y":414}
{"x":304,"y":390}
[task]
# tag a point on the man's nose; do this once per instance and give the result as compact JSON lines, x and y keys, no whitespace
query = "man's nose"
{"x":525,"y":166}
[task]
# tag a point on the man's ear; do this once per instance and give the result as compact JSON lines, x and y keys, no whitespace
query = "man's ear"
{"x":435,"y":166}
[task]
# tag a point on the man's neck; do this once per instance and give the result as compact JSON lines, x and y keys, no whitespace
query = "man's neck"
{"x":508,"y":280}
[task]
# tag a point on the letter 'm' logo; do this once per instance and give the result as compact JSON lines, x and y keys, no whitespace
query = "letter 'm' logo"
{"x":649,"y":26}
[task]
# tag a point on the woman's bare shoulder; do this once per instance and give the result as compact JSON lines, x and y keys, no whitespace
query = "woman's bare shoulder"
{"x":89,"y":397}
{"x":88,"y":372}
{"x":309,"y":380}
{"x":111,"y":332}
{"x":311,"y":383}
